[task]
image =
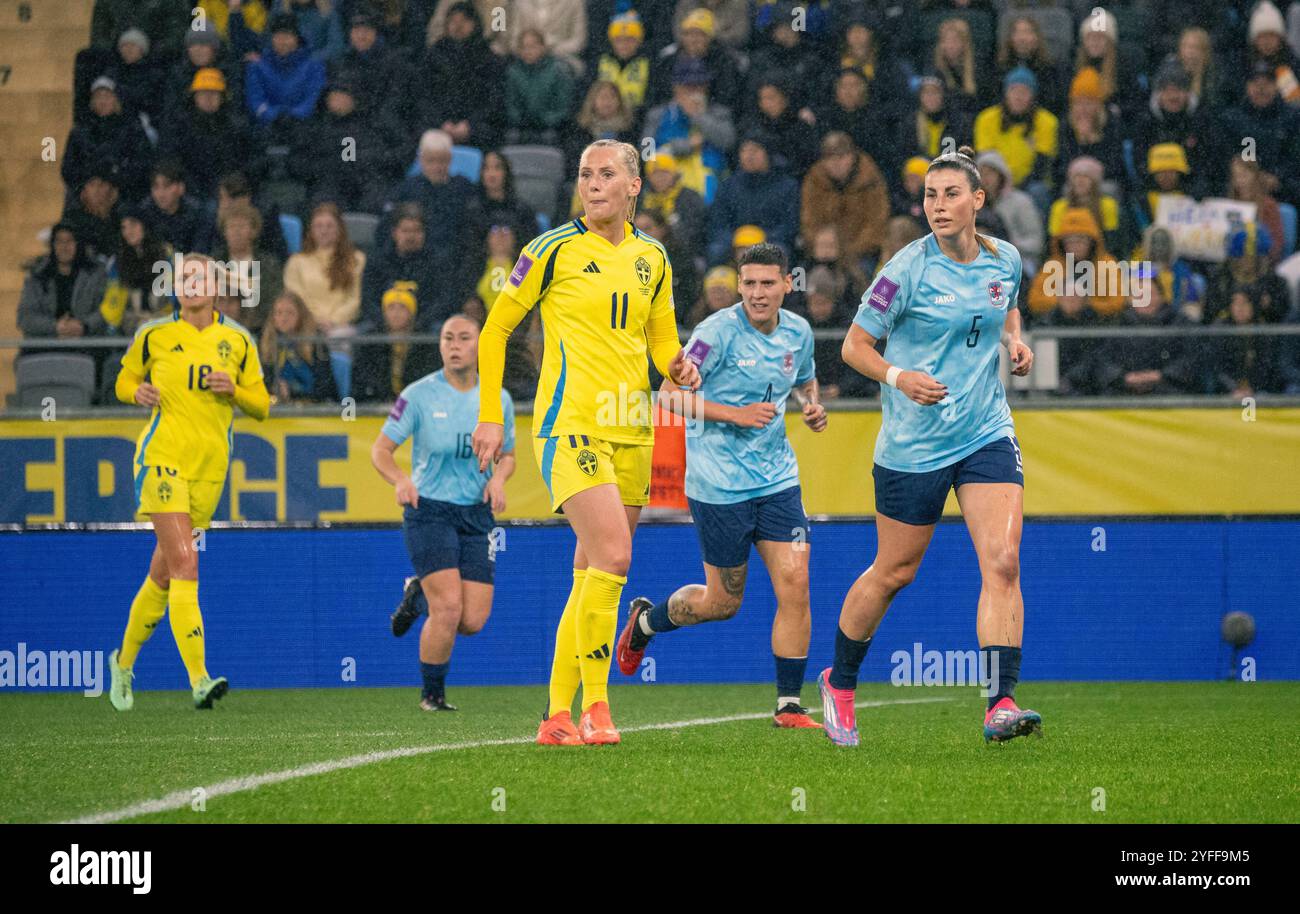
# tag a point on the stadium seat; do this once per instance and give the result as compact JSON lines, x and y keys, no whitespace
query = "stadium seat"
{"x":466,"y":161}
{"x":361,"y":229}
{"x":1056,"y":25}
{"x":538,"y":173}
{"x":1288,"y":228}
{"x":291,"y":227}
{"x":68,"y":377}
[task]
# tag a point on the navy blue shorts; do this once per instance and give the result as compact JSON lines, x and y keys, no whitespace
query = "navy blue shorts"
{"x":440,"y":535}
{"x":918,"y":498}
{"x":726,"y":531}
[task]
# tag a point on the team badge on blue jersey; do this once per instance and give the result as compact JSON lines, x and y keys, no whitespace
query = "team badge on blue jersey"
{"x":995,"y":293}
{"x":787,"y":363}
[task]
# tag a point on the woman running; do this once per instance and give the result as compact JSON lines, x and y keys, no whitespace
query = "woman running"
{"x":945,"y":302}
{"x":191,"y":369}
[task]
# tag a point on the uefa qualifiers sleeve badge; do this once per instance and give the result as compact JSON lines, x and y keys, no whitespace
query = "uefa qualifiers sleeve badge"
{"x":882,"y":294}
{"x":522,"y":266}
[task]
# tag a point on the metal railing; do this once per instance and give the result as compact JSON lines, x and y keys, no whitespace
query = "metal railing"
{"x":1040,"y":388}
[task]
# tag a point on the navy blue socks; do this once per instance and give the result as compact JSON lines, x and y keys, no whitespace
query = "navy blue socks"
{"x":658,"y":618}
{"x":789,"y":676}
{"x":1008,"y":668}
{"x":848,"y":658}
{"x":435,"y":677}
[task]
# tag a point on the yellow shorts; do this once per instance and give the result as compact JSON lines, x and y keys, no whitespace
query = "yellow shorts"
{"x":162,"y":490}
{"x":574,"y":463}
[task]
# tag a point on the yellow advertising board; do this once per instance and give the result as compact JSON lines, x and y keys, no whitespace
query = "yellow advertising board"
{"x":1077,"y":462}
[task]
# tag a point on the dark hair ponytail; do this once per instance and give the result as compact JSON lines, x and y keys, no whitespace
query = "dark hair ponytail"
{"x":962,"y":160}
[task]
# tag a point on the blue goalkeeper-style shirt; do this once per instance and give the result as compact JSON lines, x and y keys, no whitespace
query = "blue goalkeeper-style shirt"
{"x":944,"y":318}
{"x":441,"y":419}
{"x":725,"y":463}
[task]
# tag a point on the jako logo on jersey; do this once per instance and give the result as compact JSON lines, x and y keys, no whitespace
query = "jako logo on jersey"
{"x":995,"y":292}
{"x":944,"y":299}
{"x":746,"y":363}
{"x":440,"y":415}
{"x":882,"y":294}
{"x":78,"y":867}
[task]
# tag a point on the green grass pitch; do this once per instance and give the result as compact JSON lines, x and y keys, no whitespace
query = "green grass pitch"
{"x":1161,"y":752}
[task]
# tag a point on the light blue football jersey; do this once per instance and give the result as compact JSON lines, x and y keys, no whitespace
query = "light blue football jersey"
{"x":442,"y":419}
{"x":725,"y":463}
{"x":944,"y":318}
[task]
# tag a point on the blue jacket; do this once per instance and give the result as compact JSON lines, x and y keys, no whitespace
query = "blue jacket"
{"x":283,"y":85}
{"x":323,"y":35}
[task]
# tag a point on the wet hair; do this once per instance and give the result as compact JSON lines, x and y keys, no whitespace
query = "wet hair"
{"x":963,"y":160}
{"x":630,"y":160}
{"x":765,"y":254}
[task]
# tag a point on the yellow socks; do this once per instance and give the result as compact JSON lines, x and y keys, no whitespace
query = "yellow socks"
{"x":597,"y":624}
{"x":187,"y":628}
{"x":147,"y":610}
{"x":566,"y":674}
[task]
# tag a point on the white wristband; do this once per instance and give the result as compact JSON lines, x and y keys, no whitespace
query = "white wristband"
{"x":891,"y":376}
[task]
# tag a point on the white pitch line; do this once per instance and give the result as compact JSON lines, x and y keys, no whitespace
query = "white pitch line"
{"x":182,"y":798}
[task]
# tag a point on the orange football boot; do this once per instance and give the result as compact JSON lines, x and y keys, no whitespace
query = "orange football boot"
{"x":596,"y":727}
{"x":558,"y":731}
{"x":794,"y":717}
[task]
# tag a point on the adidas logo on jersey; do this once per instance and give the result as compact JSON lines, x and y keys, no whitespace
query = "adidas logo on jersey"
{"x":591,"y":268}
{"x":599,"y":653}
{"x":177,"y":348}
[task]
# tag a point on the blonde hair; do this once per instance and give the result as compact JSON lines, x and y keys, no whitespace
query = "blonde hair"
{"x":1202,"y":38}
{"x":241,"y":210}
{"x":630,"y":159}
{"x":1006,"y":55}
{"x":587,"y":116}
{"x":962,"y":28}
{"x":1107,"y":69}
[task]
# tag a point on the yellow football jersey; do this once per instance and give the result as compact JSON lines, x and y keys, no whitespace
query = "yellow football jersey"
{"x":190,"y":429}
{"x":595,"y":300}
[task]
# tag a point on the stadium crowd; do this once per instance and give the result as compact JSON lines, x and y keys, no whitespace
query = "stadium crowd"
{"x":378,"y":161}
